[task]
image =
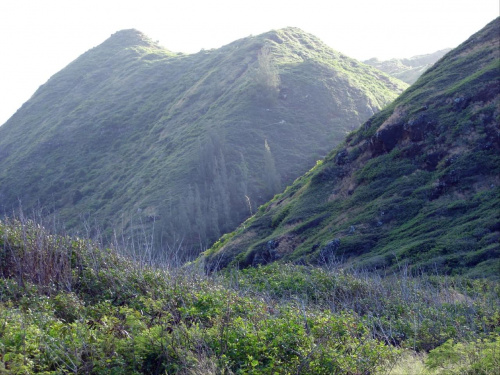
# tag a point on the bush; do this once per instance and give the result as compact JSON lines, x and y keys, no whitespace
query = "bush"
{"x":480,"y":357}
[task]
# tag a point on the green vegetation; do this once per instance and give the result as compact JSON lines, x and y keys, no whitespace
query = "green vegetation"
{"x":170,"y":147}
{"x":417,"y":184}
{"x":68,"y":306}
{"x":479,"y":357}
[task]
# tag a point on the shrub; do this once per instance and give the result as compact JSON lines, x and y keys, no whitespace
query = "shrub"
{"x":474,"y":358}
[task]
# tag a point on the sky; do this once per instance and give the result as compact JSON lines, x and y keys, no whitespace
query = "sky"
{"x":39,"y":38}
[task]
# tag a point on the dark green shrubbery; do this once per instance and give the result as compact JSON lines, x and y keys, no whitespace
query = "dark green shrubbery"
{"x":419,"y":312}
{"x":476,"y":357}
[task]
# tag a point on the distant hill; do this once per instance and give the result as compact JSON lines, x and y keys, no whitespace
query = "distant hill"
{"x":417,"y":184}
{"x":131,"y":137}
{"x":408,"y":70}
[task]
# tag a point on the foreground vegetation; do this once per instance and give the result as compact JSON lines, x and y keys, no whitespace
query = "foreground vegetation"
{"x":69,"y":306}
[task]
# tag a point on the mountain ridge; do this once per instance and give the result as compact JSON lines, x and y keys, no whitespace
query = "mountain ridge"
{"x":132,"y":136}
{"x":417,"y":183}
{"x":407,"y":69}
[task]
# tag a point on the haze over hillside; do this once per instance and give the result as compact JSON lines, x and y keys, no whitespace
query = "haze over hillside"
{"x":131,"y":137}
{"x":408,"y":70}
{"x":417,"y":184}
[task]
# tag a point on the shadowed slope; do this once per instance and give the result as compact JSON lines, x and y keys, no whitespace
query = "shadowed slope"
{"x":133,"y":137}
{"x":418,"y":183}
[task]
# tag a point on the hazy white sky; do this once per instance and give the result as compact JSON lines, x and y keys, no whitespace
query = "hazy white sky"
{"x":39,"y":38}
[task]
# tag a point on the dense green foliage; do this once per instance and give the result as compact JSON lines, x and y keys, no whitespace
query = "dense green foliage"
{"x":410,"y":69}
{"x":417,"y":184}
{"x":67,"y":306}
{"x":131,"y":137}
{"x":479,"y":357}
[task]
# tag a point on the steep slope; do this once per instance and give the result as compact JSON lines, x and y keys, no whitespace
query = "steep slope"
{"x":408,"y":70}
{"x":131,"y":136}
{"x":418,"y":183}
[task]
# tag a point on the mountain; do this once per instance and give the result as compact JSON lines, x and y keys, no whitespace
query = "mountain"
{"x":417,"y":184}
{"x":408,"y":70}
{"x":131,"y":137}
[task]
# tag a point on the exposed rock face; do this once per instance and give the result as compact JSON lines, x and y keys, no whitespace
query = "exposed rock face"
{"x":392,"y":134}
{"x":328,"y":252}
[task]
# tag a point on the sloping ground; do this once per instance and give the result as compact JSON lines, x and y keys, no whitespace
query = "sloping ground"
{"x":408,"y":70}
{"x":131,"y":137}
{"x":418,"y":183}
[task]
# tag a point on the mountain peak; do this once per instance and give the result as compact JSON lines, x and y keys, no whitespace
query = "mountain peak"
{"x":292,"y":30}
{"x":187,"y":133}
{"x":128,"y":38}
{"x":291,"y":34}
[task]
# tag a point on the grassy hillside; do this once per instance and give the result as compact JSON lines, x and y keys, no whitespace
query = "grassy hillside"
{"x":418,"y":183}
{"x":408,"y":70}
{"x":69,"y":306}
{"x":131,"y":137}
